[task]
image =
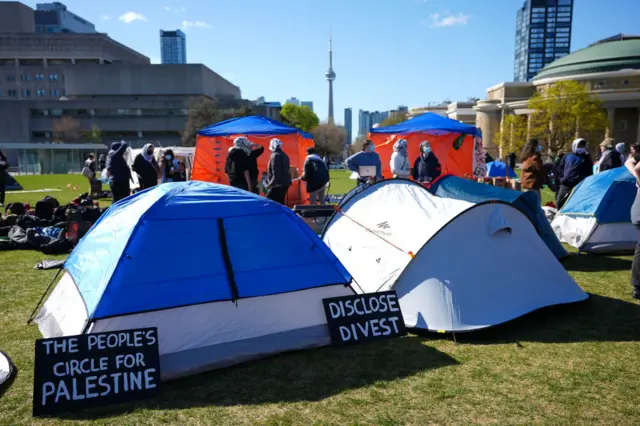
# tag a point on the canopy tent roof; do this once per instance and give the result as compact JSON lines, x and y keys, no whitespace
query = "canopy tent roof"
{"x":429,"y":123}
{"x":252,"y":125}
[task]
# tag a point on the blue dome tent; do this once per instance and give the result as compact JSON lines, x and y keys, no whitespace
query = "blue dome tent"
{"x":527,"y":202}
{"x":597,"y":216}
{"x":217,"y":270}
{"x":497,"y":169}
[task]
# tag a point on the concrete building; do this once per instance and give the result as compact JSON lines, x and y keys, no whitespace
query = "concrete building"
{"x":55,"y":18}
{"x":460,"y":111}
{"x":173,"y":47}
{"x":348,"y":125}
{"x":610,"y":69}
{"x":16,"y":17}
{"x":543,"y":34}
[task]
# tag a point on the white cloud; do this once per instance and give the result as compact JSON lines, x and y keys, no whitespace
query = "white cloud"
{"x":177,"y":9}
{"x":195,"y":24}
{"x":167,"y":8}
{"x":447,"y":20}
{"x":105,"y":17}
{"x":129,"y":17}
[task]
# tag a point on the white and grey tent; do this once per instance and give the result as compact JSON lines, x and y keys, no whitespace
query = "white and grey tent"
{"x":8,"y":372}
{"x":455,"y":265}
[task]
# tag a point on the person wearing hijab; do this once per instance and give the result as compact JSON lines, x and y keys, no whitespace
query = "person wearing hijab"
{"x":620,"y":148}
{"x":238,"y":165}
{"x":278,"y":173}
{"x":426,"y":168}
{"x":610,"y":158}
{"x":118,"y":171}
{"x":534,"y":173}
{"x":366,"y":158}
{"x":4,"y":166}
{"x":146,"y":167}
{"x":170,"y":167}
{"x":400,"y":166}
{"x":574,"y":167}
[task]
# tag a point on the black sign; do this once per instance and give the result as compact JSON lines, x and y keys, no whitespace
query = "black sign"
{"x":77,"y":372}
{"x":364,"y":317}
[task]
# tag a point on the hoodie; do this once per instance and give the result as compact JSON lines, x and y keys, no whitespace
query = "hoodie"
{"x":575,"y":167}
{"x":315,"y":173}
{"x":117,"y":166}
{"x":364,"y":158}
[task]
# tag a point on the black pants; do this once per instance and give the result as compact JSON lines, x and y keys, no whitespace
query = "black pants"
{"x":278,"y":194}
{"x":120,"y":189}
{"x":562,"y":195}
{"x":3,"y":185}
{"x":635,"y":266}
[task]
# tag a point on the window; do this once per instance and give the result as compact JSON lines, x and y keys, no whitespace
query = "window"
{"x":12,"y":93}
{"x":39,"y":112}
{"x":598,"y":84}
{"x":24,"y":77}
{"x":39,"y":77}
{"x":26,"y":93}
{"x":624,"y":126}
{"x":0,"y":93}
{"x":55,"y":93}
{"x":53,"y":76}
{"x":40,"y":92}
{"x":624,"y":83}
{"x":11,"y":77}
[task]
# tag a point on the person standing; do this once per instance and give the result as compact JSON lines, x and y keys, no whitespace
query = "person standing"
{"x":89,"y":169}
{"x":633,"y":165}
{"x":400,"y":166}
{"x":4,"y":166}
{"x":170,"y":167}
{"x":146,"y":167}
{"x":278,"y":173}
{"x":512,"y":160}
{"x":102,"y":162}
{"x":574,"y":167}
{"x":620,"y":148}
{"x":426,"y":168}
{"x":534,"y":173}
{"x":610,"y":158}
{"x":255,"y":151}
{"x":316,"y":175}
{"x":368,"y":157}
{"x":118,"y":171}
{"x":238,"y":164}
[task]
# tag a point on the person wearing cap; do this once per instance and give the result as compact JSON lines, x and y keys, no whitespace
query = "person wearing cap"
{"x":400,"y":165}
{"x":575,"y":167}
{"x":366,"y":158}
{"x":241,"y":165}
{"x":610,"y":158}
{"x":278,"y":173}
{"x":426,"y":168}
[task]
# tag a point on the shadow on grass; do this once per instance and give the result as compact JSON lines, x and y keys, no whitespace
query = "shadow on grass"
{"x":310,"y":375}
{"x":596,"y":263}
{"x":598,"y":319}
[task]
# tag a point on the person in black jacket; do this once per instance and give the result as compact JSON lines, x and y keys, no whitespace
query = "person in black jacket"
{"x":574,"y":167}
{"x":102,"y":162}
{"x":610,"y":158}
{"x":278,"y":173}
{"x":426,"y":168}
{"x":316,"y":175}
{"x":252,"y":164}
{"x":146,"y":167}
{"x":241,"y":165}
{"x":119,"y":171}
{"x":4,"y":166}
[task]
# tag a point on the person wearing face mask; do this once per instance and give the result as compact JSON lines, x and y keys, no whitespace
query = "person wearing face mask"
{"x":534,"y":173}
{"x":368,"y":157}
{"x":575,"y":167}
{"x":278,"y":173}
{"x":146,"y":167}
{"x":610,"y":158}
{"x":426,"y":168}
{"x":170,"y":167}
{"x":400,"y":166}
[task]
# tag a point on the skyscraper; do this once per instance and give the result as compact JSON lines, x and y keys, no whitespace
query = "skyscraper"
{"x":331,"y":76}
{"x":348,"y":125}
{"x":55,"y":18}
{"x":543,"y":34}
{"x":173,"y":47}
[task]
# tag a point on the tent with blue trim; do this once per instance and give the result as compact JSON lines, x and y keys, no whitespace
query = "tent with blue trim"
{"x":499,"y":169}
{"x":597,"y":216}
{"x":527,"y":202}
{"x":225,"y":276}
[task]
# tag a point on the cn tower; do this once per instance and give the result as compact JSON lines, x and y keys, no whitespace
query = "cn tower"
{"x":331,"y":76}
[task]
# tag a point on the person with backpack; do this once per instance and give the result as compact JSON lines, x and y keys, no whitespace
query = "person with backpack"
{"x":4,"y":166}
{"x":241,"y":165}
{"x":316,"y":175}
{"x":118,"y":171}
{"x":278,"y":173}
{"x":400,"y":165}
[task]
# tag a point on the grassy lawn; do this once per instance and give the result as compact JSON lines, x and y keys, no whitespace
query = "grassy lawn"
{"x":565,"y":365}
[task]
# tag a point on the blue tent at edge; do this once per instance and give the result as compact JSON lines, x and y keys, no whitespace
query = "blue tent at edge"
{"x":527,"y":202}
{"x":497,"y":169}
{"x":429,"y":121}
{"x":252,"y":125}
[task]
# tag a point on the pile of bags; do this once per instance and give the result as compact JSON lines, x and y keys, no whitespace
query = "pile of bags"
{"x":49,"y":227}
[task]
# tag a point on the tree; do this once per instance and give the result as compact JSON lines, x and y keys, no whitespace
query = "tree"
{"x":94,"y":135}
{"x":66,"y":129}
{"x":356,"y":146}
{"x":513,"y":136}
{"x":395,"y":118}
{"x":565,"y":111}
{"x":330,"y":138}
{"x":300,"y":117}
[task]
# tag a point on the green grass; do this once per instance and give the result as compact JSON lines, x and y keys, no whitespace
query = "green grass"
{"x":573,"y":364}
{"x":61,"y":182}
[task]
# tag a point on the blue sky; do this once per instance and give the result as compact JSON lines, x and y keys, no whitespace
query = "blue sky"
{"x":386,"y":52}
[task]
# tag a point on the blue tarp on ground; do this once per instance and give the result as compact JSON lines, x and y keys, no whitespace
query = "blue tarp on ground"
{"x":253,"y":125}
{"x":608,"y":196}
{"x":429,"y":122}
{"x":162,"y":248}
{"x":497,"y":169}
{"x":526,"y":202}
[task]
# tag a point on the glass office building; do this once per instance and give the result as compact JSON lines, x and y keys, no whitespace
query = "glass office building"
{"x":543,"y":34}
{"x":173,"y":47}
{"x":55,"y":18}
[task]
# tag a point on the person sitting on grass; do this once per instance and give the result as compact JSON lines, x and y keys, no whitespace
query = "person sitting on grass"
{"x":366,"y":158}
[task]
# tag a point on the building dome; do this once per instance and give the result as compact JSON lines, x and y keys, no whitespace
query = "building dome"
{"x":613,"y":54}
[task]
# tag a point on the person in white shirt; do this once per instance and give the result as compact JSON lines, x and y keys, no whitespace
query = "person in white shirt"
{"x":400,"y":165}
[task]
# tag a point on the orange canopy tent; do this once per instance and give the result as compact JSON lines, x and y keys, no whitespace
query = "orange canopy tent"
{"x":213,"y":143}
{"x":458,"y":146}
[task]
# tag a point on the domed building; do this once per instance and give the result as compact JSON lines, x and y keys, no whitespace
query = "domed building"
{"x":611,"y":70}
